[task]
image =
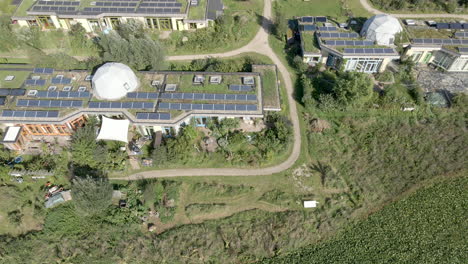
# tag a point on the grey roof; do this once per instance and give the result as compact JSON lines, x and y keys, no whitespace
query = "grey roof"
{"x":214,"y":9}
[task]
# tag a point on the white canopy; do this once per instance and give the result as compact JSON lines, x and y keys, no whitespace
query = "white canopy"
{"x":113,"y":129}
{"x":113,"y":81}
{"x":381,"y":29}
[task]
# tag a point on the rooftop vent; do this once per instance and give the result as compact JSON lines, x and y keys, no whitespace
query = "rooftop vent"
{"x":36,"y":77}
{"x":9,"y":78}
{"x":249,"y":80}
{"x":52,"y":88}
{"x":170,"y":87}
{"x":88,"y":78}
{"x":198,"y":79}
{"x":215,"y":79}
{"x":156,"y":83}
{"x":193,"y":2}
{"x":67,"y":88}
{"x":82,"y":89}
{"x":32,"y":92}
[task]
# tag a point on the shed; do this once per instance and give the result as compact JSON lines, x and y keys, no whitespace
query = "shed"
{"x":310,"y":204}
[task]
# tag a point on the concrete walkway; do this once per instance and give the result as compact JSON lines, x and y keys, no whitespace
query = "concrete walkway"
{"x":260,"y":45}
{"x":372,"y":10}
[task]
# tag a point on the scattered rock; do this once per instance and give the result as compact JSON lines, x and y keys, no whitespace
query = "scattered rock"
{"x":184,"y":39}
{"x":151,"y":227}
{"x":170,"y":203}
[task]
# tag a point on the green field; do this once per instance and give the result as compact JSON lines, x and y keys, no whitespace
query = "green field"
{"x":426,"y":227}
{"x":332,"y":8}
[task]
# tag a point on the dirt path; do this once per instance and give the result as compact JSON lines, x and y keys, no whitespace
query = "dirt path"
{"x":260,"y":45}
{"x":371,"y":9}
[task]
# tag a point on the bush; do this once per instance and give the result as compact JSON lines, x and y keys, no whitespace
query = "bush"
{"x":91,"y":196}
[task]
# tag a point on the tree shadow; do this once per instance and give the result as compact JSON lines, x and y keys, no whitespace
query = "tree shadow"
{"x":322,"y":169}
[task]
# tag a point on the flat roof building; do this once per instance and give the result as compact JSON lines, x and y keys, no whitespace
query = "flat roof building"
{"x":99,"y":15}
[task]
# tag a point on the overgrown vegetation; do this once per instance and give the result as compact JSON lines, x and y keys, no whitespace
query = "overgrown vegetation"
{"x":449,"y":6}
{"x":426,"y":227}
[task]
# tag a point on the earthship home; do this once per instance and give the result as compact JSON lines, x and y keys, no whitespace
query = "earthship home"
{"x":443,"y":45}
{"x":43,"y":102}
{"x":336,"y":46}
{"x":103,"y":15}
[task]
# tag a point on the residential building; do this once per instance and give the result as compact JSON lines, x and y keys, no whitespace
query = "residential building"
{"x":101,"y":15}
{"x":444,"y":45}
{"x":337,"y":47}
{"x":47,"y":102}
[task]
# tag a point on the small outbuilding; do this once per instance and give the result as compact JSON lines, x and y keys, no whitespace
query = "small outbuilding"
{"x":381,"y":29}
{"x":310,"y":204}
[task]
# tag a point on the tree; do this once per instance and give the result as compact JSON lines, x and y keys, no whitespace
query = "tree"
{"x":84,"y":146}
{"x":78,"y":39}
{"x":8,"y":39}
{"x":353,"y":88}
{"x":281,"y":25}
{"x":91,"y":196}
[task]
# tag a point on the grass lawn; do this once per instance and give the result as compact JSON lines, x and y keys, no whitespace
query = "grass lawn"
{"x":6,"y":7}
{"x":271,"y":97}
{"x":198,"y":12}
{"x":20,"y":77}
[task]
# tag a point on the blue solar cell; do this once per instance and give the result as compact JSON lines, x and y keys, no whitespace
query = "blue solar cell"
{"x":208,"y":106}
{"x":77,"y":103}
{"x":153,"y":116}
{"x":141,"y":95}
{"x":41,"y":113}
{"x":389,"y":50}
{"x":126,"y":105}
{"x":148,"y":105}
{"x":176,"y":106}
{"x":360,"y":51}
{"x":132,"y":95}
{"x":22,"y":103}
{"x":105,"y":104}
{"x":379,"y":51}
{"x":142,"y":115}
{"x":116,"y":105}
{"x":197,"y":107}
{"x":166,"y":96}
{"x":164,"y":116}
{"x":230,"y":97}
{"x":177,"y":96}
{"x":437,"y":41}
{"x":44,"y":103}
{"x":30,"y":82}
{"x":40,"y":82}
{"x":52,"y":114}
{"x":251,"y":107}
{"x":7,"y":113}
{"x":229,"y":107}
{"x":198,"y":96}
{"x":56,"y":80}
{"x":246,"y":88}
{"x":153,"y":96}
{"x":251,"y":97}
{"x":33,"y":103}
{"x":38,"y":70}
{"x":308,"y":28}
{"x":241,"y":107}
{"x":321,"y":19}
{"x":241,"y":97}
{"x":137,"y":105}
{"x":48,"y":70}
{"x":219,"y":107}
{"x":209,"y":96}
{"x":93,"y":105}
{"x":66,"y":81}
{"x":186,"y":106}
{"x":66,"y":103}
{"x":187,"y":96}
{"x":55,"y":103}
{"x":164,"y":105}
{"x":307,"y":19}
{"x":73,"y":94}
{"x":219,"y":96}
{"x":18,"y":113}
{"x":30,"y":114}
{"x":348,"y":50}
{"x":325,"y":34}
{"x":369,"y":51}
{"x":234,"y":87}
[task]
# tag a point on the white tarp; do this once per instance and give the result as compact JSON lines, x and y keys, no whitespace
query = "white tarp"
{"x":113,"y":81}
{"x":11,"y":134}
{"x":310,"y":204}
{"x":113,"y":129}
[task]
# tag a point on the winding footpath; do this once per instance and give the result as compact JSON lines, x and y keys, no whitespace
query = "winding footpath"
{"x":371,"y":9}
{"x":259,"y":45}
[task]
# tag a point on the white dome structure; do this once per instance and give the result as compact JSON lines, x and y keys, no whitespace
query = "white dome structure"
{"x":381,"y":29}
{"x":113,"y":81}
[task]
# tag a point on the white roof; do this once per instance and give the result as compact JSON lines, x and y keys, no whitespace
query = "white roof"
{"x":113,"y":129}
{"x":381,"y":29}
{"x":113,"y":81}
{"x":11,"y":133}
{"x":310,"y":204}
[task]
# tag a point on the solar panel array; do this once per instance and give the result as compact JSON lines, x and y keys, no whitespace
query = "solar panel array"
{"x":463,"y":49}
{"x":208,"y":107}
{"x":153,"y":116}
{"x":321,"y":19}
{"x":161,"y":4}
{"x":121,"y":105}
{"x":159,"y":10}
{"x":307,"y":19}
{"x":461,"y":34}
{"x":31,"y":114}
{"x":54,"y":8}
{"x":338,"y":35}
{"x":2,"y":100}
{"x":121,"y":0}
{"x":43,"y":70}
{"x":157,"y":1}
{"x":327,"y":28}
{"x":12,"y":92}
{"x":61,"y":94}
{"x":99,"y":10}
{"x":370,"y":51}
{"x":59,"y":3}
{"x":31,"y":82}
{"x":349,"y":43}
{"x":308,"y":28}
{"x":452,"y":25}
{"x":60,"y":80}
{"x":49,"y":103}
{"x":119,"y":4}
{"x":310,"y":19}
{"x":209,"y":96}
{"x":238,"y":87}
{"x":441,"y":41}
{"x":143,"y":95}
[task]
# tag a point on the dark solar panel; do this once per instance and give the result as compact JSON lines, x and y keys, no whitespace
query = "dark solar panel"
{"x":307,"y":19}
{"x":442,"y":26}
{"x":31,"y":114}
{"x":463,"y":49}
{"x":348,"y":50}
{"x":321,"y":19}
{"x":229,"y":107}
{"x":308,"y":28}
{"x":197,"y":107}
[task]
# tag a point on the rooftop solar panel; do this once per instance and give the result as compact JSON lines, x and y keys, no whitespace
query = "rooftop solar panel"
{"x":463,"y":49}
{"x":455,"y":26}
{"x":307,"y":19}
{"x":30,"y":114}
{"x":321,"y":19}
{"x":442,"y":26}
{"x":153,"y":116}
{"x":197,"y":107}
{"x":308,"y":28}
{"x":461,"y":34}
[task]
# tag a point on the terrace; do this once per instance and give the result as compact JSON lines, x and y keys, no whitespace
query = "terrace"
{"x":66,"y":93}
